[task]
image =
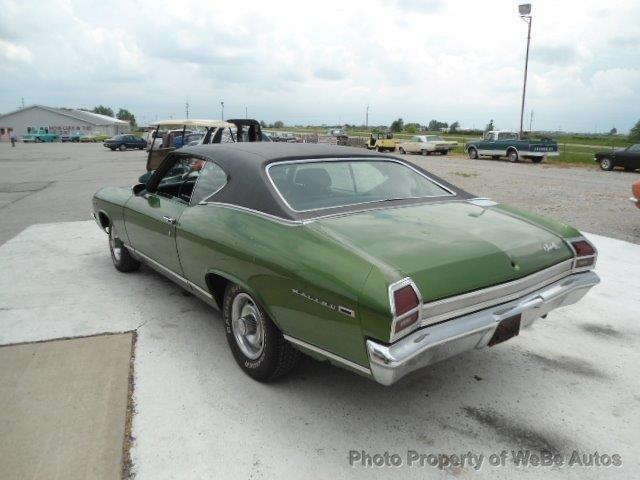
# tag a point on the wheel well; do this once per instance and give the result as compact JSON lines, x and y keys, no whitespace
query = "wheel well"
{"x":104,"y":220}
{"x":470,"y":147}
{"x":512,"y":149}
{"x":217,"y":284}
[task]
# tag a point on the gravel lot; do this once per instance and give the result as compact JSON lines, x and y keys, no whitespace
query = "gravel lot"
{"x":42,"y":183}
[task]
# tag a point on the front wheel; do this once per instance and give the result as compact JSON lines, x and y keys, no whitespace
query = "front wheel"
{"x":122,"y":259}
{"x":401,"y":151}
{"x":256,"y":343}
{"x":473,"y":153}
{"x":122,"y":147}
{"x":606,"y":164}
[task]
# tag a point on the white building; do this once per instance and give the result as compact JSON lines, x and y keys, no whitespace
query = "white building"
{"x":58,"y":120}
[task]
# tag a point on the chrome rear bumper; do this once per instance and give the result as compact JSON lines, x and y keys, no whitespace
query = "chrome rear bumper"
{"x":429,"y":345}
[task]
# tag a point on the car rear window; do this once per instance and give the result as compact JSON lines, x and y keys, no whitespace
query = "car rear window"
{"x":314,"y":185}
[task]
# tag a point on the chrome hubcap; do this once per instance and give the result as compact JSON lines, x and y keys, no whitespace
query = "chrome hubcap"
{"x":605,"y":163}
{"x":246,"y":324}
{"x":115,"y":244}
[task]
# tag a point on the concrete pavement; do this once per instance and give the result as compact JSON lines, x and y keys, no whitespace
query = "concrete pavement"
{"x":569,"y":383}
{"x":63,"y":406}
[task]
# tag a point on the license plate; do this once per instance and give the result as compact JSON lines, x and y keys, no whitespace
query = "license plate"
{"x":507,"y":328}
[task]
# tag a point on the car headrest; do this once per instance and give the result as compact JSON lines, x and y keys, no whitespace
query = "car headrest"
{"x":313,"y":177}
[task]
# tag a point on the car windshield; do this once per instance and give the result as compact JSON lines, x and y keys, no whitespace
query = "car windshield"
{"x":434,"y":138}
{"x":322,"y":184}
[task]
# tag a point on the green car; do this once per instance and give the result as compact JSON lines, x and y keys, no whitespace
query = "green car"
{"x":93,"y":137}
{"x":498,"y":144}
{"x":42,"y":135}
{"x":357,"y":258}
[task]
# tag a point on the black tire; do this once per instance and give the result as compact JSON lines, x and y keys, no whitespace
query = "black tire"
{"x":473,"y":153}
{"x":443,"y":152}
{"x":537,"y":159}
{"x":277,"y":357}
{"x":122,"y":147}
{"x":512,"y":155}
{"x":606,"y":164}
{"x":424,"y":152}
{"x":401,"y":150}
{"x":122,"y":259}
{"x":378,"y":149}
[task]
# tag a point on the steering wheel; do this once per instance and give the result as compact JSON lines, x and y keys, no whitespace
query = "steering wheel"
{"x":186,"y":178}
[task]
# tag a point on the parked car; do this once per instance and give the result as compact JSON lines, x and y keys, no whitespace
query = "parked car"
{"x":498,"y":143}
{"x":122,"y":142}
{"x":635,"y":190}
{"x":65,"y":137}
{"x":427,"y":144}
{"x":93,"y":137}
{"x":381,"y":142}
{"x":41,"y":135}
{"x":361,"y":259}
{"x":75,"y":136}
{"x":628,"y":158}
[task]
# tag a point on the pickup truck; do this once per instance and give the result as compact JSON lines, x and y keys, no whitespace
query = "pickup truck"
{"x":497,"y":143}
{"x":42,"y":135}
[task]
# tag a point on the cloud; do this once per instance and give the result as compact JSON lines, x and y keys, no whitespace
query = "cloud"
{"x":323,"y":62}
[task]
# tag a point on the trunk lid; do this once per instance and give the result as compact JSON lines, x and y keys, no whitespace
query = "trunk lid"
{"x":448,"y":248}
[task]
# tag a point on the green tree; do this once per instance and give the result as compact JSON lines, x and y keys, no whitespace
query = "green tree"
{"x":102,"y":110}
{"x":127,"y":116}
{"x":613,"y":131}
{"x":412,"y":127}
{"x":634,"y":133}
{"x":454,"y":127}
{"x":436,"y":126}
{"x":278,"y":124}
{"x":489,"y":126}
{"x":397,"y":125}
{"x":263,"y":124}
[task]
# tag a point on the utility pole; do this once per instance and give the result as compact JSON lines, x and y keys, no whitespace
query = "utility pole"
{"x":530,"y":121}
{"x":525,"y":14}
{"x":22,"y":103}
{"x":246,"y":114}
{"x":366,"y":118}
{"x":221,"y":110}
{"x":186,"y":106}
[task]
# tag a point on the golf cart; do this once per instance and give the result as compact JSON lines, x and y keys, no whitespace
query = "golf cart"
{"x":381,"y":142}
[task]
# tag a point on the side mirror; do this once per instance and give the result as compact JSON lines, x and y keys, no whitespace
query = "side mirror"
{"x":138,"y":188}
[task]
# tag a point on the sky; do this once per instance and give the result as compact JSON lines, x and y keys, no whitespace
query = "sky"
{"x":324,"y":62}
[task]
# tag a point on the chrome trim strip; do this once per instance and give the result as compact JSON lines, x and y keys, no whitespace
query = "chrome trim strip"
{"x":268,"y":216}
{"x":451,"y":307}
{"x":328,"y":355}
{"x":179,"y":279}
{"x":482,"y":202}
{"x":346,"y":159}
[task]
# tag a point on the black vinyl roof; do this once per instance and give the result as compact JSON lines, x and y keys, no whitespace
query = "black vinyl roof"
{"x":250,"y":187}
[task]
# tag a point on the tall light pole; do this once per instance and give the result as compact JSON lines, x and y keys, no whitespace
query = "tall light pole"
{"x":186,"y":107}
{"x":246,"y":113}
{"x":525,"y":14}
{"x":366,"y":121}
{"x":221,"y":110}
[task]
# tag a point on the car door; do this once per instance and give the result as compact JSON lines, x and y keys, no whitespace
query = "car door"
{"x":151,"y":219}
{"x":414,"y":145}
{"x":629,"y":158}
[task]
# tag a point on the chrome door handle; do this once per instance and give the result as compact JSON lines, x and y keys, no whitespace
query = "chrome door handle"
{"x":169,"y":220}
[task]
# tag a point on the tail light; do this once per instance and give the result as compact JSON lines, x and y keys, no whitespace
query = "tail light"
{"x":406,"y":302}
{"x":585,"y":253}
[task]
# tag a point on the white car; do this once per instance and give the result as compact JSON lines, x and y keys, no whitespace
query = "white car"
{"x":427,"y":144}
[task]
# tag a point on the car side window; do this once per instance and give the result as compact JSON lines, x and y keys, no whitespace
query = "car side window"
{"x":635,"y":148}
{"x":179,"y":181}
{"x":211,"y":179}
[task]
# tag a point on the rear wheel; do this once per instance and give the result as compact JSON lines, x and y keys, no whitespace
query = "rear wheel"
{"x":606,"y":164}
{"x":256,"y":343}
{"x":122,"y":147}
{"x":473,"y":153}
{"x":512,"y":155}
{"x":122,"y":259}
